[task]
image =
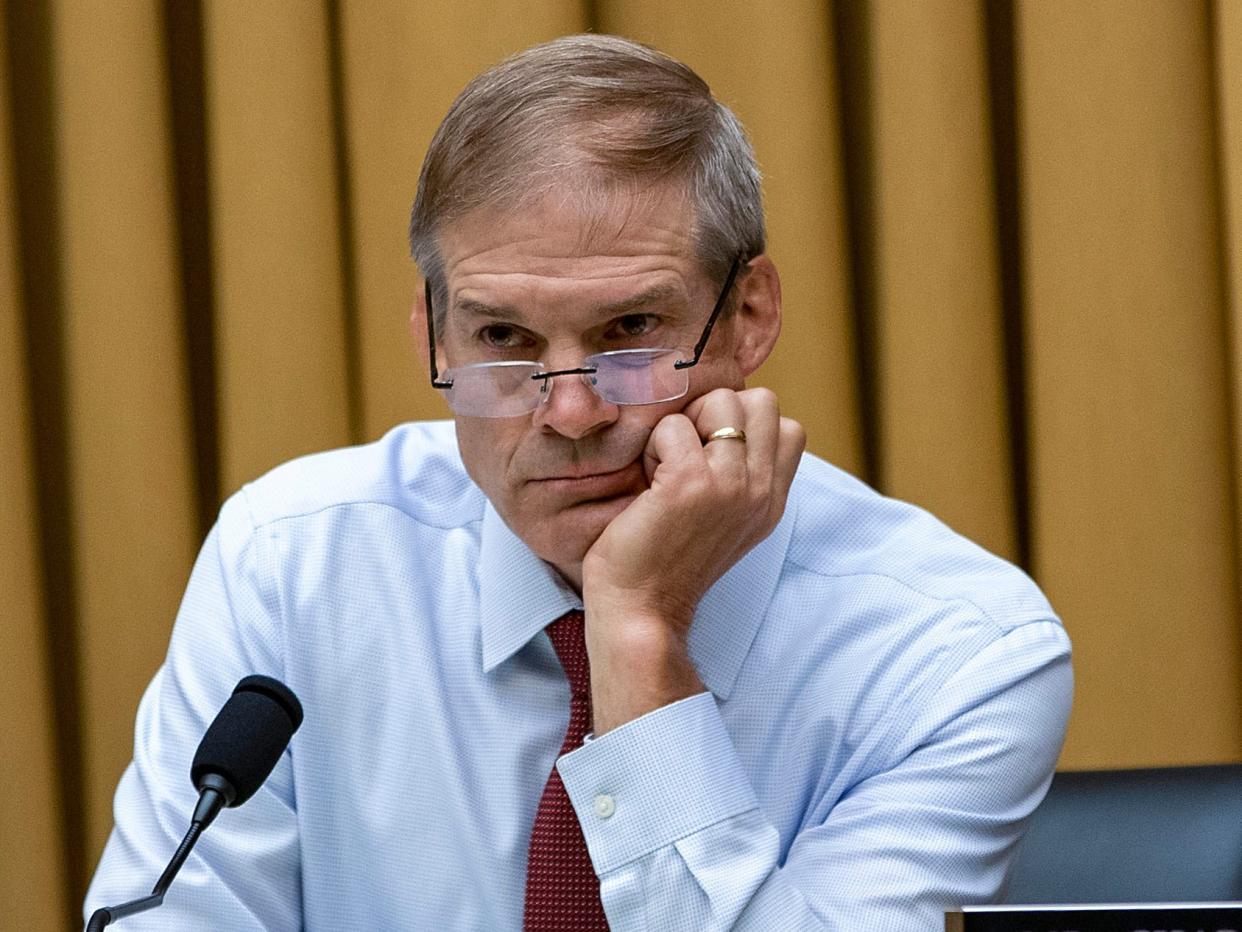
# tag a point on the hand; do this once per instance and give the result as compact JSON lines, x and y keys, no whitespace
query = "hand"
{"x":707,"y":505}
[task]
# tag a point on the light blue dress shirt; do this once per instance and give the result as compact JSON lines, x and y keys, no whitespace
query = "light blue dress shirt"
{"x":886,"y":705}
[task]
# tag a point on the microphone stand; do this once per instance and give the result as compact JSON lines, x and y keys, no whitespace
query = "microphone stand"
{"x":215,"y":794}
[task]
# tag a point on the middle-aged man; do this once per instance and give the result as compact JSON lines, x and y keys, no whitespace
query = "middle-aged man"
{"x":792,"y":704}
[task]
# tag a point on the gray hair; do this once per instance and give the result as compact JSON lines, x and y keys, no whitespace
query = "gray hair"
{"x":597,"y":113}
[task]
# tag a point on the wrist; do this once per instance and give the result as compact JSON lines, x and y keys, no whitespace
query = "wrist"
{"x":640,"y":611}
{"x":638,"y":664}
{"x":642,"y":639}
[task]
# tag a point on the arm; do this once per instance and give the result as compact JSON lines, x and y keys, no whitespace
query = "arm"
{"x":934,"y":827}
{"x":709,"y":502}
{"x":244,"y":872}
{"x":931,"y":828}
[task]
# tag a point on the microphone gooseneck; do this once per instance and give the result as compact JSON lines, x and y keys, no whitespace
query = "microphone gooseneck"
{"x":238,"y":752}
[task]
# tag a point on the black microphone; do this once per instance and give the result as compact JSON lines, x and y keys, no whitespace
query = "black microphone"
{"x":238,"y":752}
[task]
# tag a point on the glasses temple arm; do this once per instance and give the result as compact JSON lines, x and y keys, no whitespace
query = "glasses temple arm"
{"x":711,"y":320}
{"x":431,"y":339}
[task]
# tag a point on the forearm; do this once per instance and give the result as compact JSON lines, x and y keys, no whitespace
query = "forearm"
{"x":707,"y":505}
{"x":696,"y":833}
{"x":638,"y":665}
{"x":685,"y":844}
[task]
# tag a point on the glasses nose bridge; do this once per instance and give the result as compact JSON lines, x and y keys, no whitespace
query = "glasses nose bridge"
{"x":547,"y":380}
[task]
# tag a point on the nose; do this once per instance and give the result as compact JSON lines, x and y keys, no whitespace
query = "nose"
{"x":571,"y":408}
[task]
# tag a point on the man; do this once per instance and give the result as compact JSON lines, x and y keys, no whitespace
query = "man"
{"x":791,"y":704}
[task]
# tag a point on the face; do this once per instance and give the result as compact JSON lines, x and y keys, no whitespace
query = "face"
{"x":555,"y":283}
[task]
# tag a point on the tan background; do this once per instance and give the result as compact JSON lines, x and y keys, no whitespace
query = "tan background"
{"x":1011,"y":240}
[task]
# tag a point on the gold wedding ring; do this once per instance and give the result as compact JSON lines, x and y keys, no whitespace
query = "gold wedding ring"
{"x":726,"y":433}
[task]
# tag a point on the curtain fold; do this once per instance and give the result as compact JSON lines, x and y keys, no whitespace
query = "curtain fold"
{"x":32,"y":868}
{"x":943,"y":412}
{"x":280,"y":315}
{"x":1227,"y":53}
{"x":1132,"y":467}
{"x":131,"y":502}
{"x":1010,"y":239}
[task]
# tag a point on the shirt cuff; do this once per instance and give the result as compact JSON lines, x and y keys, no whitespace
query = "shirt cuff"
{"x":654,"y":780}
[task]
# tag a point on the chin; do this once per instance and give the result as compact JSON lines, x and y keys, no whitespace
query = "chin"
{"x":565,"y":539}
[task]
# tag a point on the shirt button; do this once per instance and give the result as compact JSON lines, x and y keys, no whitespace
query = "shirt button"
{"x":605,"y":805}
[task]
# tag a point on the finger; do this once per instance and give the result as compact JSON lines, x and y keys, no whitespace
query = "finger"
{"x":694,"y":407}
{"x":719,"y":409}
{"x":723,"y":408}
{"x":763,"y":416}
{"x":789,"y":450}
{"x":713,"y":410}
{"x":674,"y":442}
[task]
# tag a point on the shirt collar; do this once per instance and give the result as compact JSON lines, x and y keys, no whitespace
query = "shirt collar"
{"x":520,"y":594}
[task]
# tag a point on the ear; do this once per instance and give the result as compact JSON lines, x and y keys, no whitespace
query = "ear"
{"x":757,"y":318}
{"x":418,"y":324}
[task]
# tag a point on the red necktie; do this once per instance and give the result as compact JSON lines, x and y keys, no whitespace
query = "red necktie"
{"x":562,"y":891}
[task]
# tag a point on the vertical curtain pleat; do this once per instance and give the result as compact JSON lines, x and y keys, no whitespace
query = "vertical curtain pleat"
{"x":283,"y":369}
{"x":1227,"y":33}
{"x":132,"y":501}
{"x":939,"y":343}
{"x":399,"y":76}
{"x":32,"y":879}
{"x":1131,"y":468}
{"x":776,"y":70}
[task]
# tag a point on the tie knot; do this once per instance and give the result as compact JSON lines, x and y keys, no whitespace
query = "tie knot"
{"x":568,"y":634}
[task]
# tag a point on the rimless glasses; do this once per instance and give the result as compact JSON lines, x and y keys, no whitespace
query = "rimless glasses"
{"x":623,"y":377}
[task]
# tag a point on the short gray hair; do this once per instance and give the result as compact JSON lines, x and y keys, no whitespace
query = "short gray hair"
{"x":601,"y":109}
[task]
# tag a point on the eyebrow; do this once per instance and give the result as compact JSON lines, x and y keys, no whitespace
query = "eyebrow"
{"x":656,"y":293}
{"x":483,"y":309}
{"x":653,"y":295}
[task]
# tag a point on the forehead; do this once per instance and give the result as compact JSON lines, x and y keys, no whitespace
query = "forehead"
{"x":560,"y":243}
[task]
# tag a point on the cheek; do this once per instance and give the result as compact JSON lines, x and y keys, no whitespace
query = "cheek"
{"x":712,"y":373}
{"x":486,"y":446}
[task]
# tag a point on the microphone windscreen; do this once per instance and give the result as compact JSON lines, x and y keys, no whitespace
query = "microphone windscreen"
{"x":249,"y":734}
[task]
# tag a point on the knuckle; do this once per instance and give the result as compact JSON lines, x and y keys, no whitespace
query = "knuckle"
{"x":697,"y":485}
{"x":670,"y":424}
{"x":764,"y":397}
{"x":793,"y":432}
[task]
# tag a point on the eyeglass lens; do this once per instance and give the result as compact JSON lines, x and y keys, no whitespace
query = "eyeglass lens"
{"x":502,"y":389}
{"x":639,"y":376}
{"x":506,"y":389}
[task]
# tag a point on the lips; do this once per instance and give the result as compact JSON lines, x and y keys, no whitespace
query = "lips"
{"x":584,"y":474}
{"x":586,"y":486}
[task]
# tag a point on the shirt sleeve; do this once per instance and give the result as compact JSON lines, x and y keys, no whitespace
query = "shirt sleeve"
{"x":244,"y":872}
{"x":680,"y":841}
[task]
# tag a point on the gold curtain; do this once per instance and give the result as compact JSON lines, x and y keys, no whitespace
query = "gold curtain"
{"x":1011,"y":241}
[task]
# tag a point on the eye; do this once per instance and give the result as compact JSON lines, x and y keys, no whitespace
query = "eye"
{"x":632,"y":325}
{"x":503,"y":336}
